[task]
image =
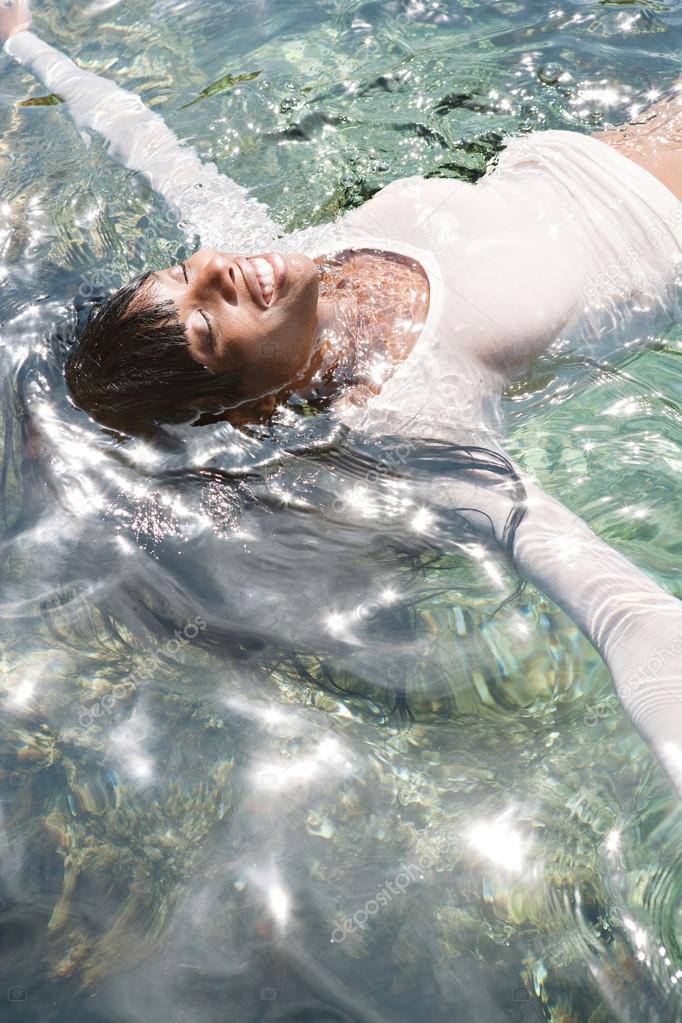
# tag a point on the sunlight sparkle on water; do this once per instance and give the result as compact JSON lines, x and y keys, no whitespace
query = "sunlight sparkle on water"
{"x":606,"y":96}
{"x":327,"y":758}
{"x":613,"y":840}
{"x":493,"y":571}
{"x":127,"y":741}
{"x":360,"y":499}
{"x":80,"y":452}
{"x":144,"y":454}
{"x":634,"y":513}
{"x":378,"y":371}
{"x":336,"y":622}
{"x":423,"y":520}
{"x":274,"y":718}
{"x":498,"y":842}
{"x":84,"y":501}
{"x":627,"y":22}
{"x":272,"y":715}
{"x":328,"y":748}
{"x":640,"y":938}
{"x":98,"y":7}
{"x":135,"y":764}
{"x":278,"y":903}
{"x":23,"y":692}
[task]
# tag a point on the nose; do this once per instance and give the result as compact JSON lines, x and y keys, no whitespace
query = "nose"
{"x":217,"y":273}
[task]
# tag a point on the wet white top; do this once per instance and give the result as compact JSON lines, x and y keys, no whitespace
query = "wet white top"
{"x":565,"y":244}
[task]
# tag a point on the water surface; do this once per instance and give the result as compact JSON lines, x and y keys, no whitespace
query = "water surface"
{"x":272,"y":746}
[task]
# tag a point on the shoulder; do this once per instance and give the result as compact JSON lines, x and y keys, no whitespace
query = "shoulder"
{"x":419,"y":189}
{"x":394,"y":210}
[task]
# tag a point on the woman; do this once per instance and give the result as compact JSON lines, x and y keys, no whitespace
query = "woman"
{"x":412,"y":313}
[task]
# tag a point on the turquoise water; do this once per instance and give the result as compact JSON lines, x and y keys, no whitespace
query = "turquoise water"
{"x":209,"y":812}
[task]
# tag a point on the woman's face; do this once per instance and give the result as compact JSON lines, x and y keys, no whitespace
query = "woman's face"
{"x":254,"y":316}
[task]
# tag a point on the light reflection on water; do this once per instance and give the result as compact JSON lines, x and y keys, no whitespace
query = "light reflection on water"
{"x":190,"y":813}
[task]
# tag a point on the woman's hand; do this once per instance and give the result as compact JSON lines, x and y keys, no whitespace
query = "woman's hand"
{"x":15,"y":16}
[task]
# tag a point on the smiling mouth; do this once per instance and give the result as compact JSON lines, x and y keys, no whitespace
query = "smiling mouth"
{"x":265,"y":276}
{"x":270,"y":272}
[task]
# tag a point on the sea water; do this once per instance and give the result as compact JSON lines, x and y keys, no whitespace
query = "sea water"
{"x":278,"y":741}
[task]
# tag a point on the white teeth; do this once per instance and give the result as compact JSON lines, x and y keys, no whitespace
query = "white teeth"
{"x":265,"y":275}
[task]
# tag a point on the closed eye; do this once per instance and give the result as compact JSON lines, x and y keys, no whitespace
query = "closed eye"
{"x":211,"y":335}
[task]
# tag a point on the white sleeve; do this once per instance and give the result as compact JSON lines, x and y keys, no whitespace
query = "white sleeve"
{"x":218,"y":209}
{"x":633,"y":623}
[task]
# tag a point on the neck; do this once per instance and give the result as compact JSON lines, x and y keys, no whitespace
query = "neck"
{"x":337,"y":332}
{"x":371,"y":310}
{"x":335,"y":345}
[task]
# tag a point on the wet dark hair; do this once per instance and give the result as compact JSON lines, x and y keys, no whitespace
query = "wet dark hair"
{"x":131,"y":367}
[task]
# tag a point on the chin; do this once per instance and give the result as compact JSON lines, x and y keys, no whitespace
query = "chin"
{"x":302,"y":266}
{"x":304,"y":293}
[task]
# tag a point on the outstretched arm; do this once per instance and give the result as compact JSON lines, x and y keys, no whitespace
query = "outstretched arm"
{"x":632,"y":622}
{"x":216,"y":208}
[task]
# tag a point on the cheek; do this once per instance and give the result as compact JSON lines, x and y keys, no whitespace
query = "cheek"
{"x":273,"y":357}
{"x":273,"y":353}
{"x":292,"y":338}
{"x":286,"y":351}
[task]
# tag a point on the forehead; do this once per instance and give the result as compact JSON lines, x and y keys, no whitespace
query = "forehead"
{"x":162,"y":292}
{"x":160,"y":288}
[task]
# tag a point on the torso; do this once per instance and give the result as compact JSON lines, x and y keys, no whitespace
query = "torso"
{"x":518,"y":263}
